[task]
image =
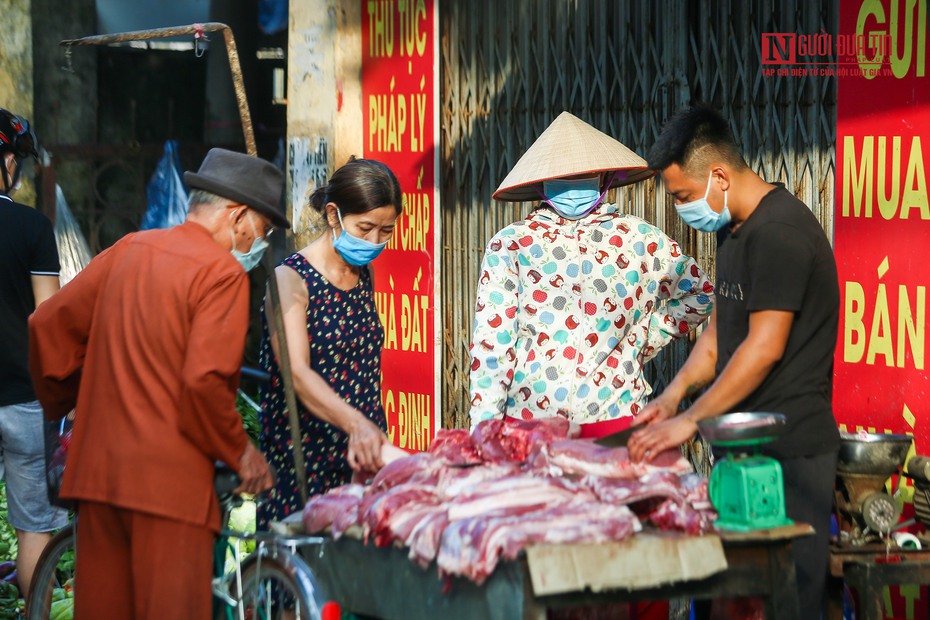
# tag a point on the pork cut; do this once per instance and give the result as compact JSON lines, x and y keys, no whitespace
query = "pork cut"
{"x":376,"y":511}
{"x":472,"y":547}
{"x":426,"y":535}
{"x":322,"y":510}
{"x":476,"y":499}
{"x":510,"y":439}
{"x":672,"y":514}
{"x":514,"y":495}
{"x":453,"y":481}
{"x":455,"y":447}
{"x":421,"y":468}
{"x":583,"y":457}
{"x":660,"y":485}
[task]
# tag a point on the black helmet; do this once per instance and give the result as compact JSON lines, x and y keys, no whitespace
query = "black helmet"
{"x":16,"y":136}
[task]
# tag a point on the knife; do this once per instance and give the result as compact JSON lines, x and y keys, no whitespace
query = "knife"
{"x":618,"y":439}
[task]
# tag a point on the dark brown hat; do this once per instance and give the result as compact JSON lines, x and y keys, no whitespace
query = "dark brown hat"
{"x":249,"y":180}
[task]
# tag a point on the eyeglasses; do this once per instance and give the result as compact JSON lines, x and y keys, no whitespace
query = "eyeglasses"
{"x":268,"y":229}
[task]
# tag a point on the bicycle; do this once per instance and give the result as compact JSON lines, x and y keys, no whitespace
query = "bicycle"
{"x":272,"y":582}
{"x":55,"y":569}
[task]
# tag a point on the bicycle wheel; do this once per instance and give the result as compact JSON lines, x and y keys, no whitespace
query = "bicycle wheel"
{"x":276,"y":585}
{"x":53,"y":581}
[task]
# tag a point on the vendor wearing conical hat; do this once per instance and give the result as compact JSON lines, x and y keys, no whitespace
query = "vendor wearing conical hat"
{"x":576,"y":298}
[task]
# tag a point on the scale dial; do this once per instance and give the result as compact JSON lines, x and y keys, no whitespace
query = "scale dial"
{"x":880,"y":512}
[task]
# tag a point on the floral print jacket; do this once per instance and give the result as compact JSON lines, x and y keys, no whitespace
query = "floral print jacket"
{"x":569,"y":311}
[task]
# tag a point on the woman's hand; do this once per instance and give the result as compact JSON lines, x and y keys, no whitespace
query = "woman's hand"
{"x":365,"y":441}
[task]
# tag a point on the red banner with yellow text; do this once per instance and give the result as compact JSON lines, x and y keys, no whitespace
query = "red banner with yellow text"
{"x":882,"y":234}
{"x":882,"y":219}
{"x":400,"y":109}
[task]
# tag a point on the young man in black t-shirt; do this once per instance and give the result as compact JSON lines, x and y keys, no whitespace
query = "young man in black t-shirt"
{"x":769,"y":343}
{"x":28,"y":276}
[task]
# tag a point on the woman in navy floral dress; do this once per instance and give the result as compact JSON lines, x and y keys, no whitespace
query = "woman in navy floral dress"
{"x":334,"y":339}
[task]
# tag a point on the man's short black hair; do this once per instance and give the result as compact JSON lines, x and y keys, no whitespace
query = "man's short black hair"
{"x":695,"y":138}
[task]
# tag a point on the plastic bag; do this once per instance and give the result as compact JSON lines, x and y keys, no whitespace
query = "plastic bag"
{"x":166,"y":195}
{"x":57,"y":440}
{"x":272,"y":16}
{"x":73,"y":250}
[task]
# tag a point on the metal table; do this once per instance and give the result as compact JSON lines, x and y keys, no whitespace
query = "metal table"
{"x":384,"y":583}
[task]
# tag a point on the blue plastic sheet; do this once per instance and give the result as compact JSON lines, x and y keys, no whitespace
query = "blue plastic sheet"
{"x":167,"y":197}
{"x":272,"y":16}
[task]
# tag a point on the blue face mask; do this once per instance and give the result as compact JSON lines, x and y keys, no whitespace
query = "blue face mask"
{"x":699,"y":215}
{"x":250,"y":259}
{"x":573,"y":198}
{"x":355,"y":251}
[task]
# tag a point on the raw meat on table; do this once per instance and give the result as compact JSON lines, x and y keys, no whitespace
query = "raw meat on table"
{"x":455,"y":446}
{"x":513,"y":495}
{"x":375,"y":511}
{"x":676,"y":515}
{"x":399,"y":525}
{"x":454,"y":481}
{"x":584,"y":457}
{"x":477,"y":498}
{"x":510,"y":439}
{"x":426,"y":535}
{"x":421,"y":468}
{"x":652,"y":489}
{"x":472,"y":547}
{"x":322,"y":510}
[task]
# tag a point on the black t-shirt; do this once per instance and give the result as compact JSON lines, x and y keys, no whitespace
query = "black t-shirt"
{"x":27,"y":248}
{"x":780,"y":259}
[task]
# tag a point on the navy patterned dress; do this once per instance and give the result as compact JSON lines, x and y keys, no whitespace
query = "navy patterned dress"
{"x":345,"y":336}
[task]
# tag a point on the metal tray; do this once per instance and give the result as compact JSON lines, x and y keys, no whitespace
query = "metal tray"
{"x":735,"y":429}
{"x":872,"y":453}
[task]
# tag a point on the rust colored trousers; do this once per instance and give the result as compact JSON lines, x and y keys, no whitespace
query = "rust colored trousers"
{"x":136,"y":566}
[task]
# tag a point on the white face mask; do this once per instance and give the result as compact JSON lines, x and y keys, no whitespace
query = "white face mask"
{"x":250,"y":259}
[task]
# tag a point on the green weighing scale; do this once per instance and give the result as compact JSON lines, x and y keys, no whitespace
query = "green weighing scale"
{"x":746,"y":488}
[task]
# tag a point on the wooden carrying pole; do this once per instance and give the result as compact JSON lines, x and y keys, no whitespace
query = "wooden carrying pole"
{"x":284,"y":360}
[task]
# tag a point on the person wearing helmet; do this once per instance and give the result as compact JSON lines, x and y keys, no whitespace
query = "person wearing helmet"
{"x":28,"y":276}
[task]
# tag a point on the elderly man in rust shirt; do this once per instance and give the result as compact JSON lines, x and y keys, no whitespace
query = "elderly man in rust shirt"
{"x":146,"y":343}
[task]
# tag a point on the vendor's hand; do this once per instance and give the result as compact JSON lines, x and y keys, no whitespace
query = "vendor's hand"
{"x":365,"y":441}
{"x":658,"y":409}
{"x":254,"y":471}
{"x":646,"y":444}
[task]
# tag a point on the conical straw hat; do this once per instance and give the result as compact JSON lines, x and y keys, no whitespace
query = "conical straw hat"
{"x":570,"y":146}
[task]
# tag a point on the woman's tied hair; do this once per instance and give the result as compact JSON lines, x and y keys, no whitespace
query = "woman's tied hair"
{"x":359,"y":186}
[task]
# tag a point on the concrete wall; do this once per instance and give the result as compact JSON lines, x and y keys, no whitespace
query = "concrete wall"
{"x":324,"y":112}
{"x":16,"y":73}
{"x":65,"y":91}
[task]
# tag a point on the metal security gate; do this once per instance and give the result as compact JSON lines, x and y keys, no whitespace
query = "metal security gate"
{"x":509,"y":68}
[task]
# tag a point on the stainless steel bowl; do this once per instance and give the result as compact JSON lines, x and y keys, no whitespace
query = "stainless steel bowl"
{"x":872,"y":453}
{"x":735,"y":429}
